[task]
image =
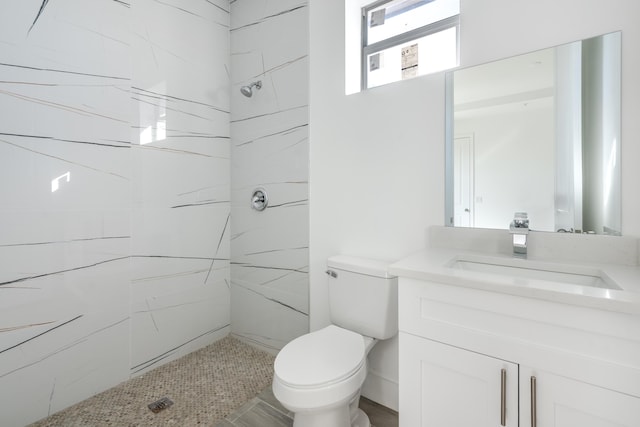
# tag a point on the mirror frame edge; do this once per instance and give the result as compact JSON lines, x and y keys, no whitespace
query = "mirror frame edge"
{"x":448,"y":150}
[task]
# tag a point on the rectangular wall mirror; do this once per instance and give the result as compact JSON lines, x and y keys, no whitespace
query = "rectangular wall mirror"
{"x":537,"y":133}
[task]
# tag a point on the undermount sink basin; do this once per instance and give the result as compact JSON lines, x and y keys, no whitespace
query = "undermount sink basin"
{"x":520,"y":268}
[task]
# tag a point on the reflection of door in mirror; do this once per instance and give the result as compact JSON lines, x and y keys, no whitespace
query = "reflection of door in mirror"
{"x":463,"y":193}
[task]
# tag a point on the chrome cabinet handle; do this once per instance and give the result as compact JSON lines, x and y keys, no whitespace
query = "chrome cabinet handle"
{"x":503,"y":397}
{"x":533,"y":402}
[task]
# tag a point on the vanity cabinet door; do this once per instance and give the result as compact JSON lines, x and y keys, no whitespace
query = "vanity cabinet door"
{"x":564,"y":402}
{"x":441,"y":385}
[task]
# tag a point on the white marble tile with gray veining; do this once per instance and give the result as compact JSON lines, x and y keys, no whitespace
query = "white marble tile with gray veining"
{"x":115,"y":148}
{"x":269,"y":249}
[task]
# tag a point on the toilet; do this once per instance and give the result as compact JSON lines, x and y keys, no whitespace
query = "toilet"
{"x":318,"y":376}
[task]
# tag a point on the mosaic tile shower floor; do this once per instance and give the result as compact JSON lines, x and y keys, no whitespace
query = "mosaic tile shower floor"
{"x":205,"y":386}
{"x":235,"y":391}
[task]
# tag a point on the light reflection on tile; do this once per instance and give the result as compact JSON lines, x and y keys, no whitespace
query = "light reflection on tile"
{"x":115,"y":164}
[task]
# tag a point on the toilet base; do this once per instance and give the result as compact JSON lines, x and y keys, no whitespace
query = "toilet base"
{"x":339,"y":416}
{"x":361,"y":420}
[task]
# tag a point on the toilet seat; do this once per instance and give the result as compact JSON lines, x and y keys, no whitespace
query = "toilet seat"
{"x":321,"y":369}
{"x":321,"y":358}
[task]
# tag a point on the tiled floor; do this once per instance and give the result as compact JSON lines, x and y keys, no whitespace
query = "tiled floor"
{"x":265,"y":411}
{"x":205,"y":386}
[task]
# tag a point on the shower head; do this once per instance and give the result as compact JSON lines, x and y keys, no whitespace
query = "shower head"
{"x":248,"y":90}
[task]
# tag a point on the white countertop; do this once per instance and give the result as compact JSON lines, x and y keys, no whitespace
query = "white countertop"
{"x":435,"y":265}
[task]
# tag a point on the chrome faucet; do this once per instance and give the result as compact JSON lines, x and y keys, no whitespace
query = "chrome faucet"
{"x":519,"y":228}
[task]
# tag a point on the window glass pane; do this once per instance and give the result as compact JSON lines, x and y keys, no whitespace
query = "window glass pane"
{"x":429,"y":54}
{"x":400,"y":16}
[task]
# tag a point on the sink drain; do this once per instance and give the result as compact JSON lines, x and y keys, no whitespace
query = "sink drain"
{"x":160,"y":404}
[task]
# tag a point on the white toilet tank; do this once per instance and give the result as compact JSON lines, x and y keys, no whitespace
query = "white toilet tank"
{"x":363,"y":296}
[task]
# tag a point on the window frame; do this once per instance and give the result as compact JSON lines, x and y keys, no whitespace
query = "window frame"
{"x":365,"y":51}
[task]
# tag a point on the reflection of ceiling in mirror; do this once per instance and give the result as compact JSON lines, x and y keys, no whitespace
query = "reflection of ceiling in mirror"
{"x":511,"y":80}
{"x":526,"y":101}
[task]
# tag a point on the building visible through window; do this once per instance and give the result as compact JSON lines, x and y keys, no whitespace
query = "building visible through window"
{"x":402,"y":39}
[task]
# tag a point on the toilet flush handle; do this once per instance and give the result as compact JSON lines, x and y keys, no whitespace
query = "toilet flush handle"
{"x":332,"y":273}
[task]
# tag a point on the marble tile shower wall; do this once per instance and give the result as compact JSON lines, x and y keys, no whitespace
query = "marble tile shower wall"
{"x":269,"y":249}
{"x":114,"y":176}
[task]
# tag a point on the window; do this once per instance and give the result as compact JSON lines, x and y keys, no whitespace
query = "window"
{"x":408,"y":38}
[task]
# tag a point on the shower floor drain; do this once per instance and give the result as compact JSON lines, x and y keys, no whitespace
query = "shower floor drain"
{"x":160,"y":404}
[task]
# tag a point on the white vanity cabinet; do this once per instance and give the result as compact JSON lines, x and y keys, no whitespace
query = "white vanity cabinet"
{"x":565,"y":402}
{"x":443,"y":385}
{"x":467,"y":358}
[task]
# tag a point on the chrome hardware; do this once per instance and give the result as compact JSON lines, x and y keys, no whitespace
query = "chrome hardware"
{"x":519,"y":228}
{"x":159,"y":405}
{"x":259,"y":199}
{"x":503,"y":397}
{"x":248,"y":90}
{"x":332,"y":273}
{"x":534,"y":422}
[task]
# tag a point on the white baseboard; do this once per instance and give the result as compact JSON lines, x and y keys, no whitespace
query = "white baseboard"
{"x":381,"y":390}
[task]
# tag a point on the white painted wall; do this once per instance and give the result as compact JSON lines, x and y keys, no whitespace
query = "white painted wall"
{"x":377,"y":158}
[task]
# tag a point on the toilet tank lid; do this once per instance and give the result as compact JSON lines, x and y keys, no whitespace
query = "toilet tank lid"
{"x":360,"y":265}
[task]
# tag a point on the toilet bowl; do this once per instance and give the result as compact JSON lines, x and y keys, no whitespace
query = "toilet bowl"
{"x":318,"y":376}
